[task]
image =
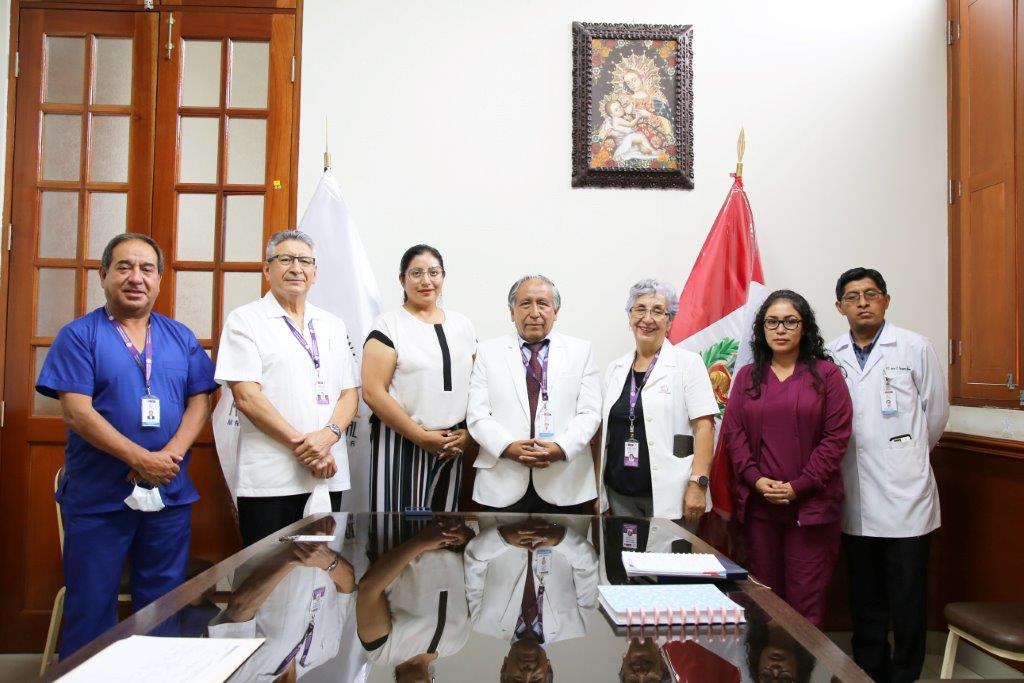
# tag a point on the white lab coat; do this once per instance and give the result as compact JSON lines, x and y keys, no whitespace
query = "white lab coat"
{"x":890,"y":487}
{"x":499,"y":413}
{"x":677,"y":391}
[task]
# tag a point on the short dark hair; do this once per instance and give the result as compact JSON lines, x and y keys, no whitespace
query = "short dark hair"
{"x":108,"y":251}
{"x":859,"y":273}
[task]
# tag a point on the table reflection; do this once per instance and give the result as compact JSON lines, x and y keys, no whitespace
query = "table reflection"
{"x":468,"y":597}
{"x":530,"y":582}
{"x":412,"y":608}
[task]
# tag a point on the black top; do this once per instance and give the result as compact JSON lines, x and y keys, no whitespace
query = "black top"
{"x":630,"y":481}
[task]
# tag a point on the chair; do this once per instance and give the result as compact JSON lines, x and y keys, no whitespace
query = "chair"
{"x":124,"y":592}
{"x":996,"y":627}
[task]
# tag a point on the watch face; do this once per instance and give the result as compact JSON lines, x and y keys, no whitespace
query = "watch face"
{"x":702,"y":481}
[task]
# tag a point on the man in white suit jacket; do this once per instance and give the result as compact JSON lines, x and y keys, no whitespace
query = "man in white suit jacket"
{"x":534,"y":405}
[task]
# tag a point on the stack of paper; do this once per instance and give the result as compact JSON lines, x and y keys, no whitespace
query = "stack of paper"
{"x":699,"y":603}
{"x":159,"y":660}
{"x":673,"y":564}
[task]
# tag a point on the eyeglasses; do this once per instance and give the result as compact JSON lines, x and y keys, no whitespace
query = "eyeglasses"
{"x":870,"y":296}
{"x":432,"y":273}
{"x":640,"y":312}
{"x":288,"y":259}
{"x":789,"y":323}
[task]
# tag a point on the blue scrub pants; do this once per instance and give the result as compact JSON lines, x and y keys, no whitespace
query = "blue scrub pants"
{"x":95,"y":549}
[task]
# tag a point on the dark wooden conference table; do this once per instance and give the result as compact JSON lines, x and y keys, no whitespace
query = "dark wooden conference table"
{"x":309,"y":621}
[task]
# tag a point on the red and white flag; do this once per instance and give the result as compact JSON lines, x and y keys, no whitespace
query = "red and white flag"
{"x":716,"y":310}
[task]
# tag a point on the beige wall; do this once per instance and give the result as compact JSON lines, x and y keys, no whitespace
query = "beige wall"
{"x":450,"y":124}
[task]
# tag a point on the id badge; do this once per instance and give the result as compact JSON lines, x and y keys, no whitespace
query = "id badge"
{"x":545,"y":427}
{"x":542,"y":561}
{"x":629,"y":536}
{"x":150,"y":411}
{"x":889,"y":402}
{"x":321,"y":393}
{"x":317,"y":601}
{"x":631,"y":454}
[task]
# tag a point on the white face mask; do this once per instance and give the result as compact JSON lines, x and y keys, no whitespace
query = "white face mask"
{"x":145,"y":500}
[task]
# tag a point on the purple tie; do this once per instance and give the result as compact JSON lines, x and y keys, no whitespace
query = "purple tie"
{"x":533,"y":384}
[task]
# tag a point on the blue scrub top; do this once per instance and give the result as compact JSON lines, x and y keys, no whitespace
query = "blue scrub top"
{"x":88,"y":357}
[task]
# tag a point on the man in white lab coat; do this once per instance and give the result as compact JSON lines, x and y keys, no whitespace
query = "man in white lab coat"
{"x":892,"y":504}
{"x":534,"y":405}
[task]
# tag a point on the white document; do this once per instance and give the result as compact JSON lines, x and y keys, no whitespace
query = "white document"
{"x":170,"y":660}
{"x":312,"y":538}
{"x":672,"y":564}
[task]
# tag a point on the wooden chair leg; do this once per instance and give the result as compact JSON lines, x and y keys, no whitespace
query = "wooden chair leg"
{"x":56,"y":617}
{"x":949,"y":658}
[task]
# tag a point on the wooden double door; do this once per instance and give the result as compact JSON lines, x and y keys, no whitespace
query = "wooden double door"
{"x":177,"y":124}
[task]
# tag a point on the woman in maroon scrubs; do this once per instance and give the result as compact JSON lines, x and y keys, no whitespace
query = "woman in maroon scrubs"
{"x":786,"y":427}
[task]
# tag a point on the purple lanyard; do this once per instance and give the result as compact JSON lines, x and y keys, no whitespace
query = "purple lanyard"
{"x":634,"y":390}
{"x":314,"y":353}
{"x":145,"y":362}
{"x":543,"y":379}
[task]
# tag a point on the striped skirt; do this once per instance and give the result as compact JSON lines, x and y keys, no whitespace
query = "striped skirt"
{"x":404,"y":475}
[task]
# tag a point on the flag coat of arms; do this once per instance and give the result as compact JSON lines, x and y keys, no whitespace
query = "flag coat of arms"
{"x":716,"y":311}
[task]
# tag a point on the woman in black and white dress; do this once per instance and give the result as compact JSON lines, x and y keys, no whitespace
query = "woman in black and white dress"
{"x":416,"y":366}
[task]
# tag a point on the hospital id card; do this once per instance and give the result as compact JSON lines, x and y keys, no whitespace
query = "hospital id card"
{"x":631,"y":453}
{"x":542,"y":561}
{"x":889,"y":407}
{"x":150,"y":411}
{"x":545,"y":423}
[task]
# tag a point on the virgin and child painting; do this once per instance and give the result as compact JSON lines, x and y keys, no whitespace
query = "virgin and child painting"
{"x":632,"y":106}
{"x":631,"y":115}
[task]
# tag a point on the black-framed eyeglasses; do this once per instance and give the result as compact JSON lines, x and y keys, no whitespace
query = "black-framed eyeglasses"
{"x":870,"y":295}
{"x":788,"y":323}
{"x":288,"y":259}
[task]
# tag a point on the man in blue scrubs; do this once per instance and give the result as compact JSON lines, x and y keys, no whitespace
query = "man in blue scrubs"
{"x":134,"y":390}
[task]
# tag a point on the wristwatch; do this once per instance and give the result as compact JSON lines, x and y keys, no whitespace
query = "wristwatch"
{"x":701,"y":481}
{"x":336,"y":429}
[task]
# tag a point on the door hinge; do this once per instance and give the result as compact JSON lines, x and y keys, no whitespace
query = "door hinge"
{"x":949,"y":191}
{"x":170,"y":35}
{"x":10,"y":235}
{"x":293,"y":68}
{"x":952,"y":32}
{"x":1010,"y":384}
{"x":952,"y":355}
{"x":3,"y":414}
{"x":17,"y":64}
{"x":1022,"y":398}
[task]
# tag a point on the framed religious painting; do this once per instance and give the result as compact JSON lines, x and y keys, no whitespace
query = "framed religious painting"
{"x":632,"y":106}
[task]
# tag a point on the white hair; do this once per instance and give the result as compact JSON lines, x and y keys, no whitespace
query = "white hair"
{"x":650,"y":285}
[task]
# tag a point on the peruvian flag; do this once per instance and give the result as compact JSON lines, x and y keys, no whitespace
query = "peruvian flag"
{"x":716,"y":310}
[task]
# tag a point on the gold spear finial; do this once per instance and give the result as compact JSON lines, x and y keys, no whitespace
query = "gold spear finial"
{"x":741,"y":146}
{"x":327,"y":153}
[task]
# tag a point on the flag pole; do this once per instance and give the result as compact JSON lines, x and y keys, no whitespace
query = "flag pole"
{"x":327,"y":153}
{"x":741,"y":147}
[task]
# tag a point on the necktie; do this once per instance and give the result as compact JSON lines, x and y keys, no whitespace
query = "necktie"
{"x":529,"y":615}
{"x":533,"y":383}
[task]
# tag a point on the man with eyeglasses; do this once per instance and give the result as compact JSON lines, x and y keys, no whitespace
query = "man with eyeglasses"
{"x":291,"y":374}
{"x":892,"y":504}
{"x":534,"y":405}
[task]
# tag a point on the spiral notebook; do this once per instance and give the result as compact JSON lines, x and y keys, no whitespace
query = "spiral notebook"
{"x":673,"y":564}
{"x":699,"y":603}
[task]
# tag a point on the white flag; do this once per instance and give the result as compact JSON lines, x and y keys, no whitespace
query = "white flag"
{"x":345,"y":286}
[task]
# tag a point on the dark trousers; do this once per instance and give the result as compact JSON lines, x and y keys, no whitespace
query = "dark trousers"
{"x":259,"y":517}
{"x":532,"y":503}
{"x":796,"y":562}
{"x":888,"y":584}
{"x":96,"y":546}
